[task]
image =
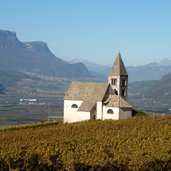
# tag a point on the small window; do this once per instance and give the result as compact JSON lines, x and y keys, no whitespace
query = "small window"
{"x":110,"y":111}
{"x":115,"y":92}
{"x":123,"y":82}
{"x":74,"y":106}
{"x":114,"y":81}
{"x":123,"y":92}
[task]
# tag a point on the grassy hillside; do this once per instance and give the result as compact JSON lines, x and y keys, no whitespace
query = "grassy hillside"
{"x":139,"y":143}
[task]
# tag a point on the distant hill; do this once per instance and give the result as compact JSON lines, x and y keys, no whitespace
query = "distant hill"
{"x":11,"y":78}
{"x":161,"y":90}
{"x":151,"y":71}
{"x":97,"y":70}
{"x":91,"y":65}
{"x":35,"y":57}
{"x":152,"y":94}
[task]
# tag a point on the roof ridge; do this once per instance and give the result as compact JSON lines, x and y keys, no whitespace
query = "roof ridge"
{"x":116,"y":101}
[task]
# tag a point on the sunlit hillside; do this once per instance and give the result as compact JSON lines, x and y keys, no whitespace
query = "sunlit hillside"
{"x":139,"y":143}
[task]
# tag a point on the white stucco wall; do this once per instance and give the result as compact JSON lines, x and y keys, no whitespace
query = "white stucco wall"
{"x":115,"y":114}
{"x":99,"y":110}
{"x":72,"y":114}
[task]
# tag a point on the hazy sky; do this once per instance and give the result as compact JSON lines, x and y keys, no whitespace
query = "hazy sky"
{"x":94,"y":29}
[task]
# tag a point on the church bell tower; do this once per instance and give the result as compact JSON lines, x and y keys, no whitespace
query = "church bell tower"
{"x":118,"y":78}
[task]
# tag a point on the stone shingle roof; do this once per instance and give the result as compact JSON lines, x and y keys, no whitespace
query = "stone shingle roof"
{"x":88,"y":92}
{"x":116,"y":101}
{"x":118,"y":67}
{"x":87,"y":106}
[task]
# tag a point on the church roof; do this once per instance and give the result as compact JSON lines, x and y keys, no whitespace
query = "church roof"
{"x":118,"y":67}
{"x":117,"y":101}
{"x":88,"y":92}
{"x":87,"y":106}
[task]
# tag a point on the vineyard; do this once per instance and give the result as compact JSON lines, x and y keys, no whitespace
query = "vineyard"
{"x":138,"y":143}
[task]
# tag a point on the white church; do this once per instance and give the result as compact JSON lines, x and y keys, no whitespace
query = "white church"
{"x":91,"y":101}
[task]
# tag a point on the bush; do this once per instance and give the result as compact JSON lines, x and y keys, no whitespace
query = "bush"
{"x":138,"y":113}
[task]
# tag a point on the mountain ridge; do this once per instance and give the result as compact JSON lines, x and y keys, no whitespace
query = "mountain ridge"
{"x":151,"y":93}
{"x":35,"y":57}
{"x":151,"y":71}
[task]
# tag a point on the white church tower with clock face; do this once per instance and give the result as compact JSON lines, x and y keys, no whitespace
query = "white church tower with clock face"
{"x":118,"y":78}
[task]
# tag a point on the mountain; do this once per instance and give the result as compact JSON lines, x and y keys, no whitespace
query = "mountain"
{"x":11,"y":78}
{"x":165,"y":62}
{"x":151,"y":94}
{"x":161,"y":90}
{"x":91,"y":65}
{"x":97,"y":70}
{"x":151,"y":71}
{"x":35,"y":57}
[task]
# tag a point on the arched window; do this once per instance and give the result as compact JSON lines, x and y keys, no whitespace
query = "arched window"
{"x":110,"y":111}
{"x":74,"y":106}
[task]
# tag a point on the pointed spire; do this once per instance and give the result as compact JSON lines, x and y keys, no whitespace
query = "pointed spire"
{"x":118,"y":67}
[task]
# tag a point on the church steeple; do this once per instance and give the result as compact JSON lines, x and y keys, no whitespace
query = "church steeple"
{"x":118,"y":78}
{"x":118,"y":67}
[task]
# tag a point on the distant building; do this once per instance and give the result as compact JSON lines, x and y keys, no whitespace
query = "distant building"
{"x":88,"y":100}
{"x":28,"y":101}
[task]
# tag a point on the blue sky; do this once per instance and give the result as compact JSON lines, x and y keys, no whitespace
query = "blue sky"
{"x":94,"y":29}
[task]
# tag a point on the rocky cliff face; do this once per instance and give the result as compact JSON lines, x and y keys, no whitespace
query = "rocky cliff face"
{"x":9,"y":39}
{"x":35,"y":57}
